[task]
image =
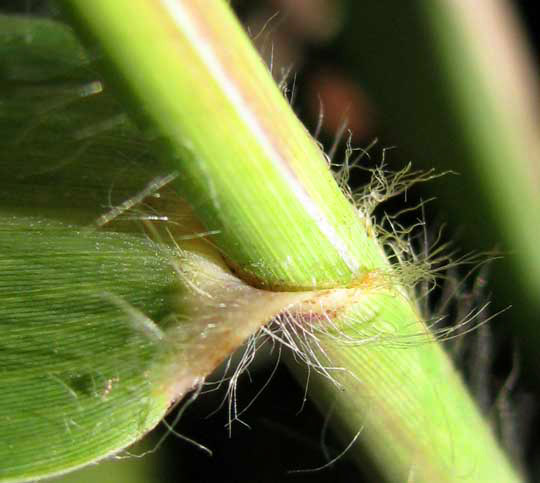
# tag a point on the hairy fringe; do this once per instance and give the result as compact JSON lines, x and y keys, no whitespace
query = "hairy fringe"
{"x":418,"y":271}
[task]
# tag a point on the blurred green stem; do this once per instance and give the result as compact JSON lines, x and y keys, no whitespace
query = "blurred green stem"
{"x":456,"y":87}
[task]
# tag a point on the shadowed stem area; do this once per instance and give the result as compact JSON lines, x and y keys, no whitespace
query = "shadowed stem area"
{"x":251,"y":171}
